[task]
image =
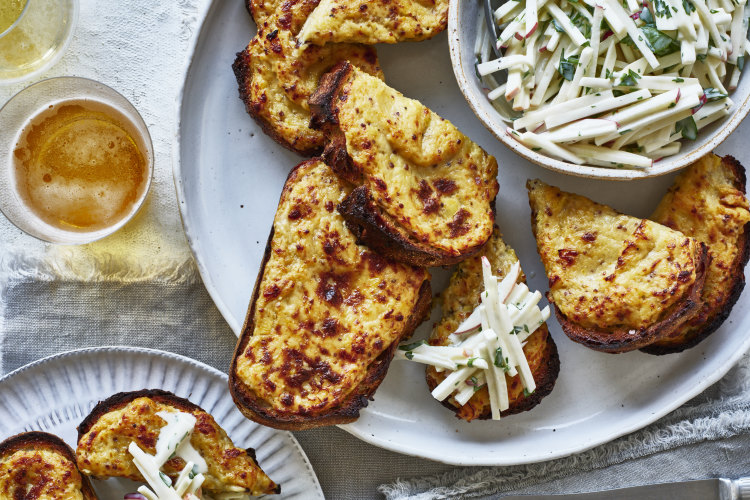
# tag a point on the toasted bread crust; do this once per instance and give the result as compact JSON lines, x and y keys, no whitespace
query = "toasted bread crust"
{"x":348,"y":410}
{"x":714,"y":313}
{"x":121,"y":400}
{"x":45,"y":441}
{"x":373,"y":224}
{"x":622,"y":339}
{"x":375,"y":228}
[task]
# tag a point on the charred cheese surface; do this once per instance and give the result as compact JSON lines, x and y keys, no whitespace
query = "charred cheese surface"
{"x":707,"y":202}
{"x":606,"y":269}
{"x":375,"y":21}
{"x":458,"y":302}
{"x":276,"y":78}
{"x":34,"y":473}
{"x":326,"y":307}
{"x":421,"y":170}
{"x":103,"y":450}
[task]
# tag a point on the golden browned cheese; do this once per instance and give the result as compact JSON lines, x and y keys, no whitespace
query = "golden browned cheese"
{"x":458,"y":302}
{"x":375,"y":21}
{"x":422,"y":171}
{"x":326,"y":308}
{"x":103,"y":450}
{"x":35,"y":473}
{"x":276,"y":78}
{"x":606,"y":269}
{"x":293,"y":12}
{"x":707,"y":201}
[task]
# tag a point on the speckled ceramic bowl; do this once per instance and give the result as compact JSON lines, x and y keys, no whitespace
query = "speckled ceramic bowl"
{"x":462,"y":26}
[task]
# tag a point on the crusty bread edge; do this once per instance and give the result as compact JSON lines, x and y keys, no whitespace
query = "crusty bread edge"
{"x":244,"y":75}
{"x":121,"y":399}
{"x":736,"y":286}
{"x":50,"y":442}
{"x":621,"y":340}
{"x":348,"y":411}
{"x":371,"y":225}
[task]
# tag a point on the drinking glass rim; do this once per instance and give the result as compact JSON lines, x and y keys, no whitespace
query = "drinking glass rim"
{"x":18,"y":19}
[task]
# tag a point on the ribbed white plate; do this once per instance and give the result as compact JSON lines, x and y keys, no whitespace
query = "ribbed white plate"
{"x":56,"y":393}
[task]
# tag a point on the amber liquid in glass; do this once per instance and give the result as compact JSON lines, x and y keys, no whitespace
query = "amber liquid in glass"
{"x":79,"y":166}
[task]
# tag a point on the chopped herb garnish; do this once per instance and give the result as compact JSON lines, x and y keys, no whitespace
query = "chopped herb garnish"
{"x":630,"y":79}
{"x":526,"y":393}
{"x":409,"y":355}
{"x":412,"y":346}
{"x":678,"y":80}
{"x":470,"y":363}
{"x":567,"y":67}
{"x":658,"y":42}
{"x":688,"y":128}
{"x":165,"y":479}
{"x":713,"y":94}
{"x":501,"y":362}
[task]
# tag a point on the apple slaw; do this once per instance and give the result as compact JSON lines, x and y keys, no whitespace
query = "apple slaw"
{"x":488,"y":344}
{"x":612,"y":83}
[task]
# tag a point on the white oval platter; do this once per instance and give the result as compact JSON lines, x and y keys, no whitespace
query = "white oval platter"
{"x":56,"y":393}
{"x":229,"y":176}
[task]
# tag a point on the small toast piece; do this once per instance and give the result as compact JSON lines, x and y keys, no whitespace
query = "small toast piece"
{"x":618,"y":283}
{"x":276,"y":78}
{"x":326,"y":314}
{"x":375,"y":21}
{"x":458,"y":302}
{"x":707,"y":202}
{"x":425,"y":193}
{"x":105,"y":434}
{"x":40,"y":465}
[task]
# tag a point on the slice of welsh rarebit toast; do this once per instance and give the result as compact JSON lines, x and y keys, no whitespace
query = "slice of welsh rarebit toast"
{"x":275,"y":77}
{"x":326,"y":314}
{"x":458,"y":302}
{"x":425,"y":193}
{"x":40,"y":465}
{"x":617,"y":282}
{"x":375,"y":21}
{"x":105,"y":434}
{"x":707,"y":202}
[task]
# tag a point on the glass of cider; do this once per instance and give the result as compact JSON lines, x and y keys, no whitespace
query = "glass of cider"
{"x":33,"y":35}
{"x":76,"y":160}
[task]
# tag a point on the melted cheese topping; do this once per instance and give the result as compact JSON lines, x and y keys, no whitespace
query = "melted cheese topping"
{"x":39,"y":475}
{"x":705,"y":204}
{"x":459,"y":300}
{"x":283,"y":77}
{"x":327,"y":307}
{"x":435,"y":182}
{"x":379,"y":21}
{"x":606,"y":269}
{"x":103,"y":450}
